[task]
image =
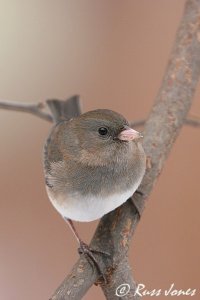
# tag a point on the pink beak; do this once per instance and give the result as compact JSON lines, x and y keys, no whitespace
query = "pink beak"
{"x":129,"y":134}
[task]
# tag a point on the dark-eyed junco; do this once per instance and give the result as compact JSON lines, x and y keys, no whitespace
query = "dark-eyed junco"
{"x":93,"y":163}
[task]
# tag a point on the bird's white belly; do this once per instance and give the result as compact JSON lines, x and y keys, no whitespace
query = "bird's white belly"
{"x":89,"y":208}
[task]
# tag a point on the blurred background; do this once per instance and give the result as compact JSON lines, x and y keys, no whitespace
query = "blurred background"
{"x":112,"y":53}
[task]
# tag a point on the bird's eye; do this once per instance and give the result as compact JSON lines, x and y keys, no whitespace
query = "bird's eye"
{"x":103,"y":130}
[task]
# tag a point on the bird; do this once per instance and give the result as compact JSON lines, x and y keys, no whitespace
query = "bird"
{"x":93,"y":163}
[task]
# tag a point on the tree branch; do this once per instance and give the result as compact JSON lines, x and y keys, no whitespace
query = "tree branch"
{"x":171,"y":107}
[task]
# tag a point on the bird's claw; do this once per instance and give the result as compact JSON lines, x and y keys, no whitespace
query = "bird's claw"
{"x":88,"y":251}
{"x":139,"y":192}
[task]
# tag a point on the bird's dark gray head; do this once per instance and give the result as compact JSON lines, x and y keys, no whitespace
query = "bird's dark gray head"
{"x":101,"y":125}
{"x":98,"y":136}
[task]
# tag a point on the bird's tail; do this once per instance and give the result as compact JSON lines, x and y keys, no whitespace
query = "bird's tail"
{"x":64,"y":109}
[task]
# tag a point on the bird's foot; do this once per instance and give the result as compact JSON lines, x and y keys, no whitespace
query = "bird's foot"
{"x":136,"y":203}
{"x":139,"y":193}
{"x":88,"y":252}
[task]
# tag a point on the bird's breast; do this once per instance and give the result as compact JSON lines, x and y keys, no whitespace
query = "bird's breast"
{"x":85,"y":193}
{"x":86,"y":208}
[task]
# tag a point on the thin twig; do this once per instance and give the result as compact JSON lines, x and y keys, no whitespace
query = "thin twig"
{"x":192,"y":122}
{"x":35,"y":109}
{"x":137,"y":123}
